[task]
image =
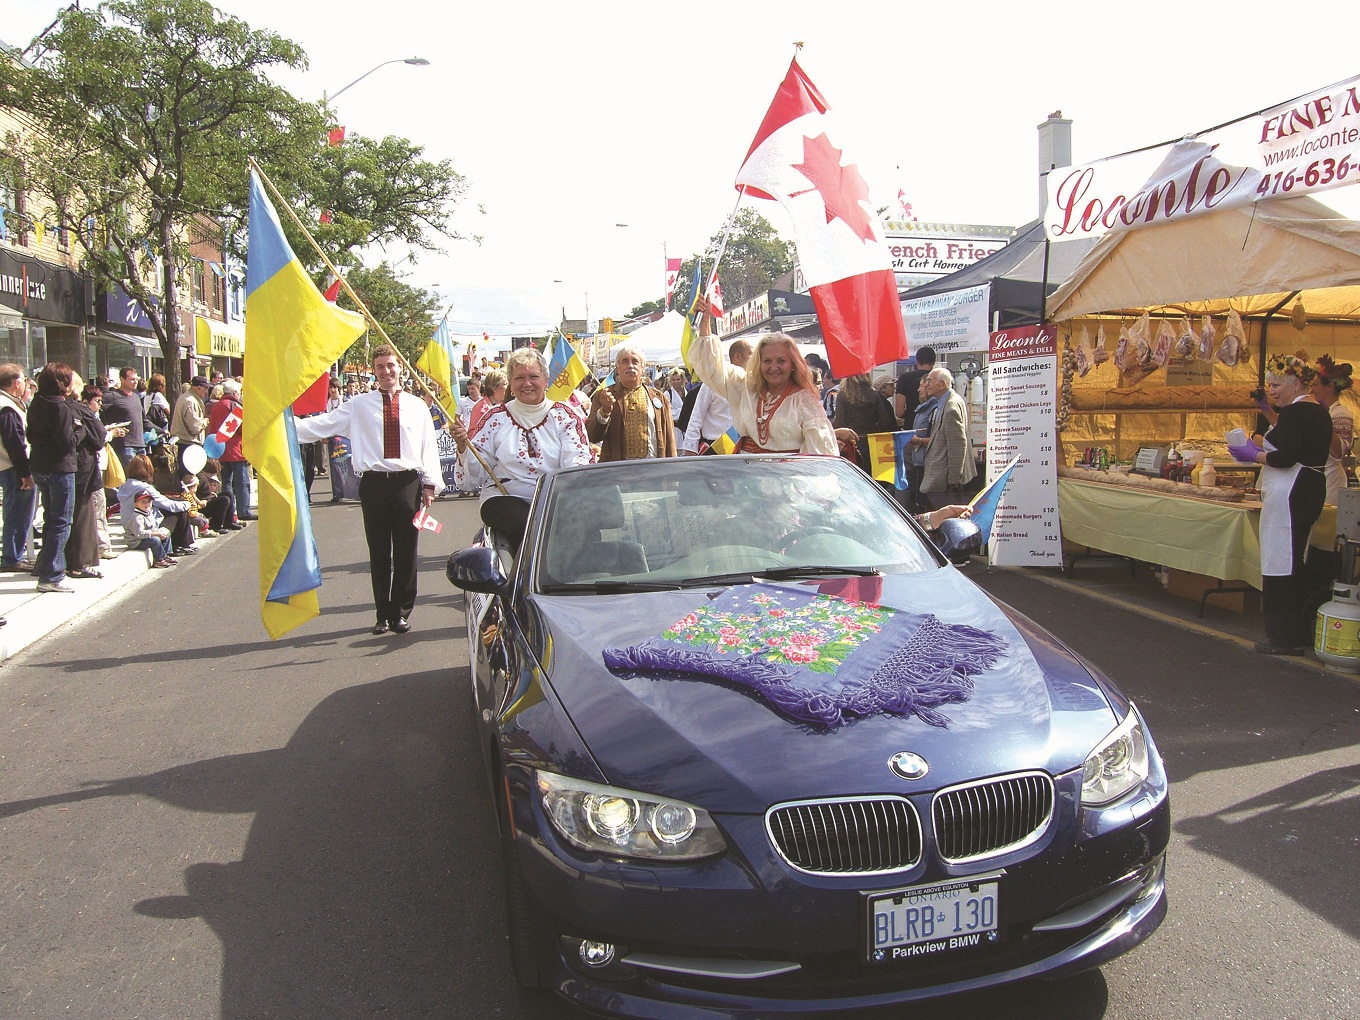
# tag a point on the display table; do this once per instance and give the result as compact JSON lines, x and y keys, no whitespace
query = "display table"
{"x":1199,"y":536}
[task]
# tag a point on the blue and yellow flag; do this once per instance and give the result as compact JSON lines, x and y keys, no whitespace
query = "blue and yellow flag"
{"x":687,"y":335}
{"x":986,"y":503}
{"x":294,"y":335}
{"x":727,"y":442}
{"x":437,"y":362}
{"x":888,"y":456}
{"x":565,"y":369}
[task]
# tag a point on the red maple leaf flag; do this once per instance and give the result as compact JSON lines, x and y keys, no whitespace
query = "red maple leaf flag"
{"x":672,"y":275}
{"x":796,"y":160}
{"x":715,"y":299}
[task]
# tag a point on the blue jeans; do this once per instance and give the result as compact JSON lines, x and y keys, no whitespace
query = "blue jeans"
{"x":18,"y":517}
{"x":236,"y":481}
{"x":58,"y":489}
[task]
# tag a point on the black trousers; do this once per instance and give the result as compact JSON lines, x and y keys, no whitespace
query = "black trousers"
{"x":390,"y":501}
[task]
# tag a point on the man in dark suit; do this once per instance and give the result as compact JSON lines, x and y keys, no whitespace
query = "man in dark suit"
{"x":630,"y":419}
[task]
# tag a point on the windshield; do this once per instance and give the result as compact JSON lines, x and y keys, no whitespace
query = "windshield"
{"x":696,"y":521}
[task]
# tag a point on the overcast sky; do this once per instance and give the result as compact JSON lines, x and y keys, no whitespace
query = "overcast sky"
{"x":568,"y":119}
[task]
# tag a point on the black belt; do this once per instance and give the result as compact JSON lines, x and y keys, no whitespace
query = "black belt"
{"x":393,"y":475}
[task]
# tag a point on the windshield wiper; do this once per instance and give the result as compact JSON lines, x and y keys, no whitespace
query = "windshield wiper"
{"x":784,"y":573}
{"x":612,"y":587}
{"x":778,"y":574}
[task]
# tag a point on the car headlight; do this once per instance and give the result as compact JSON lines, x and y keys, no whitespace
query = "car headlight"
{"x":1118,"y":763}
{"x":608,"y":820}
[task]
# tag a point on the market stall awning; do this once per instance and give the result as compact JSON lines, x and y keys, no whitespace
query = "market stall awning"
{"x":1254,"y":259}
{"x":148,"y":346}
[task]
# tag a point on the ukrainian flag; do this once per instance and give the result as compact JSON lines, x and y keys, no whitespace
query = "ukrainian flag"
{"x":437,"y":362}
{"x":688,"y":334}
{"x":727,"y":442}
{"x":294,"y":335}
{"x":565,"y":369}
{"x":888,"y":453}
{"x":986,"y":503}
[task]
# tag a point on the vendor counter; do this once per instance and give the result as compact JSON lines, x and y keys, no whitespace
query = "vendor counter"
{"x":1200,"y":536}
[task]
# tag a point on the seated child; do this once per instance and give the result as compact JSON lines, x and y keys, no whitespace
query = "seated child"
{"x":143,"y":531}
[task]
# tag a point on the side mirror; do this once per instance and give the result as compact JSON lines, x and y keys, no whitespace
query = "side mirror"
{"x":959,"y":539}
{"x":477,"y":569}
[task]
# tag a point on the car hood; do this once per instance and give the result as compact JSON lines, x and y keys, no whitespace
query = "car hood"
{"x":727,"y":749}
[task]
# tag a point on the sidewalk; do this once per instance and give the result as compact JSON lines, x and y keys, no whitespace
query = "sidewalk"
{"x":31,"y":615}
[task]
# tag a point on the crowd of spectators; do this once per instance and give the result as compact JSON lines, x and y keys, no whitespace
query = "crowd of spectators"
{"x":74,"y":453}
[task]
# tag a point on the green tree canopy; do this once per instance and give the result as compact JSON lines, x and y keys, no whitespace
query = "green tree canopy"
{"x":149,"y":110}
{"x":408,"y":314}
{"x":755,"y":257}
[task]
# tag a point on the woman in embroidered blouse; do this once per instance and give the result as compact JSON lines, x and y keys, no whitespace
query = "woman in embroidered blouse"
{"x":775,"y":407}
{"x":491,"y":394}
{"x":524,"y":439}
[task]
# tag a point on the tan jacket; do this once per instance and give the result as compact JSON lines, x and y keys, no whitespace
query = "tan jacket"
{"x":189,"y":421}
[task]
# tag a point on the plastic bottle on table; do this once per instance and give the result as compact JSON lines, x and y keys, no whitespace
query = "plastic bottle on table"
{"x":1207,"y":475}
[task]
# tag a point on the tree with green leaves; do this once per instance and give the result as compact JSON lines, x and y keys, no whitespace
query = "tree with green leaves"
{"x":755,"y":257}
{"x":149,"y":110}
{"x":408,"y":314}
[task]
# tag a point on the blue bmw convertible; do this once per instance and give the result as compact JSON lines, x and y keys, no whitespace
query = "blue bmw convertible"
{"x":757,"y":746}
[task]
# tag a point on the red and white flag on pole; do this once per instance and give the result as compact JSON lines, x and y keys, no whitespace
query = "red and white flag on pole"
{"x":715,"y":299}
{"x":796,"y":160}
{"x":672,"y":275}
{"x":424,"y":521}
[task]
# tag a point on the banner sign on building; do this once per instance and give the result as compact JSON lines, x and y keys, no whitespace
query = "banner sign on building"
{"x":922,"y":252}
{"x":40,"y":290}
{"x":1309,"y":144}
{"x":950,"y":323}
{"x":1022,"y":392}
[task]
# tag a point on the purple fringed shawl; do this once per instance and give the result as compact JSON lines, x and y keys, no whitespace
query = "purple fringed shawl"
{"x":817,"y":658}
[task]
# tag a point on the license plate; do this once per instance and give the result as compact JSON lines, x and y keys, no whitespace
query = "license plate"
{"x":929,"y":919}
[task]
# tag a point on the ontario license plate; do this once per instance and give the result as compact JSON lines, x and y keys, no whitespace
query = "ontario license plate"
{"x":930,"y":919}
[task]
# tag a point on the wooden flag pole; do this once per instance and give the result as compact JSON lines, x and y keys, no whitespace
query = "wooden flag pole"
{"x":278,"y":197}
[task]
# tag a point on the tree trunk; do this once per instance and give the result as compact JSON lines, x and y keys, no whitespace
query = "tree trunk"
{"x":170,"y":347}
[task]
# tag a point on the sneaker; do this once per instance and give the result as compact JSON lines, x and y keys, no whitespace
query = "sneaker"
{"x":186,"y":551}
{"x":107,"y":554}
{"x":54,"y":586}
{"x":248,"y":517}
{"x":234,"y":526}
{"x":209,"y":534}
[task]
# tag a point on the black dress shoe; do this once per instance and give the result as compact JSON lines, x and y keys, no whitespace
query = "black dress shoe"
{"x":380,"y":627}
{"x":401,"y":626}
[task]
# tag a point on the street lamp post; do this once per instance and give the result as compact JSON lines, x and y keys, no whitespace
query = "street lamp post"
{"x":413,"y":61}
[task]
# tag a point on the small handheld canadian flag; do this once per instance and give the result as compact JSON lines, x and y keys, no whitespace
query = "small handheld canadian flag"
{"x":424,"y":521}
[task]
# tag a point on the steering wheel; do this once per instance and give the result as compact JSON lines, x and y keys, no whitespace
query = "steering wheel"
{"x":794,"y":537}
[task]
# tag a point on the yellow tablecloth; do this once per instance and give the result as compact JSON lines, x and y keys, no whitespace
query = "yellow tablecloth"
{"x":1200,"y":536}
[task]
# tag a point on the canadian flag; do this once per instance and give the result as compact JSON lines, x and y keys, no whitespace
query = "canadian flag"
{"x":672,"y":275}
{"x":715,"y":299}
{"x":796,"y":161}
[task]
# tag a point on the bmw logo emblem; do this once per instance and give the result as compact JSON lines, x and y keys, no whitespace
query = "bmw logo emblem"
{"x":908,"y":765}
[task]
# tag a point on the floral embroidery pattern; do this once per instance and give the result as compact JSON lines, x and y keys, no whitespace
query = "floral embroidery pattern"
{"x":817,"y":633}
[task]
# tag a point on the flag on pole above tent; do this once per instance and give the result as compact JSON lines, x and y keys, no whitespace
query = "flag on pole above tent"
{"x":293,"y":335}
{"x":565,"y":370}
{"x":797,"y":159}
{"x":437,"y":362}
{"x":672,"y":277}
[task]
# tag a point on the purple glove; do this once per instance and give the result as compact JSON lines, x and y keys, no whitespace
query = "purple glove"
{"x":1244,"y":453}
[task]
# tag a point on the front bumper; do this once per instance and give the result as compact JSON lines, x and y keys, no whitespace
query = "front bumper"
{"x":741,"y":935}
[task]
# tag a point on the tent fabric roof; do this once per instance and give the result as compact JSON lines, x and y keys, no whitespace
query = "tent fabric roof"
{"x":660,"y":340}
{"x":1254,"y":259}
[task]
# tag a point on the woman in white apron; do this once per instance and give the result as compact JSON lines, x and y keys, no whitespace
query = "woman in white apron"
{"x":1328,"y":384}
{"x":1293,"y":488}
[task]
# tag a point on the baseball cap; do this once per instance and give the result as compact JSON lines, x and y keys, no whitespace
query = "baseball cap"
{"x":198,"y":380}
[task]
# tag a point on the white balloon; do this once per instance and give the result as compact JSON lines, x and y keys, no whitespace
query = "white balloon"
{"x":195,"y":458}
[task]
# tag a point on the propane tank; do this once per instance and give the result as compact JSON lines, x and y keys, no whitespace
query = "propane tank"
{"x":1336,"y":638}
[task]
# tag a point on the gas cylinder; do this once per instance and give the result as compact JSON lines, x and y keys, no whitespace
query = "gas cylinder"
{"x":1336,"y":638}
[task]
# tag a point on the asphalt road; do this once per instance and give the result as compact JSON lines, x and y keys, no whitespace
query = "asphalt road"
{"x":197,"y":822}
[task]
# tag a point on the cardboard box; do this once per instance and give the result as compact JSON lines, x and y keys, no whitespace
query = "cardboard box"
{"x":1193,"y":586}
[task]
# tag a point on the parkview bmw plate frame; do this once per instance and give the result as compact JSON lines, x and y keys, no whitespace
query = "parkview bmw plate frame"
{"x":942,"y":917}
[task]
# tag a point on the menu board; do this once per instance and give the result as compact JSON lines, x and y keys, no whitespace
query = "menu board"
{"x":1022,"y":396}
